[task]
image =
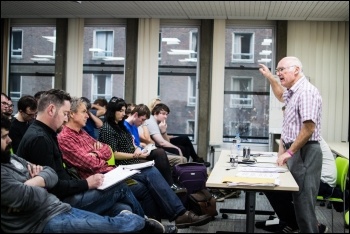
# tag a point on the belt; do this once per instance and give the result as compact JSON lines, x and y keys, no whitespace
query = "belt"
{"x":288,"y":145}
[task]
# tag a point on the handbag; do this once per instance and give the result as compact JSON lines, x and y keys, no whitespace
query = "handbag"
{"x":202,"y":202}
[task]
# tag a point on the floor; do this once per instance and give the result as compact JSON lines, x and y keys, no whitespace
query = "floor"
{"x":236,"y":222}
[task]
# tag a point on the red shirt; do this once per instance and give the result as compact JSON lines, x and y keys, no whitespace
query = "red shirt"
{"x":76,"y":150}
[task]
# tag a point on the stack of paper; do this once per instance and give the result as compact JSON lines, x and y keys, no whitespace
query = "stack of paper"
{"x":138,"y":166}
{"x":116,"y":175}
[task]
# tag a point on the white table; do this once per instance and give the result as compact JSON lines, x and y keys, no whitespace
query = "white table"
{"x":340,"y":148}
{"x":287,"y":183}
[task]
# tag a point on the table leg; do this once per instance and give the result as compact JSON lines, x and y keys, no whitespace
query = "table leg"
{"x":250,"y":197}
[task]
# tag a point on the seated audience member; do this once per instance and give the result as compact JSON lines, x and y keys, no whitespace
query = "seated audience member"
{"x":93,"y":122}
{"x":153,"y":103}
{"x":4,"y":104}
{"x":115,"y":134}
{"x":282,"y":202}
{"x":39,"y":145}
{"x":9,"y":113}
{"x":100,"y":105}
{"x":27,"y":107}
{"x":180,"y":145}
{"x":137,"y":116}
{"x":34,"y":209}
{"x":38,"y":94}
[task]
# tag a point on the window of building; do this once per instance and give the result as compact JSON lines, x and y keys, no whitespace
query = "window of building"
{"x":178,"y":77}
{"x":190,"y":127}
{"x":104,"y":58}
{"x":242,"y":86}
{"x":102,"y":87}
{"x":103,"y":44}
{"x":243,"y":47}
{"x":15,"y":87}
{"x":16,"y":43}
{"x":193,"y":45}
{"x":160,"y":46}
{"x":192,"y":91}
{"x":246,"y":92}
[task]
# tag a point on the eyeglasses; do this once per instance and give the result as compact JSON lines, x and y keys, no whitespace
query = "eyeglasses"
{"x":11,"y":106}
{"x":30,"y":115}
{"x":281,"y":69}
{"x":5,"y":104}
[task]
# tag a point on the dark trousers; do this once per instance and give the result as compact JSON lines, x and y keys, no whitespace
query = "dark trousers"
{"x":186,"y":146}
{"x":161,"y":162}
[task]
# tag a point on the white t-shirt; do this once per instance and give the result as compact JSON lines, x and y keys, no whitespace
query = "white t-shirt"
{"x":329,"y":169}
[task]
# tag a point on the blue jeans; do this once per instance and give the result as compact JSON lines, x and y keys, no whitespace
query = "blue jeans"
{"x":107,"y":202}
{"x":155,"y":195}
{"x":81,"y":221}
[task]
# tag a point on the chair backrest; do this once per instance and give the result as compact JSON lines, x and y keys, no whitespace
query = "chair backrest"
{"x":111,"y":161}
{"x":342,"y":171}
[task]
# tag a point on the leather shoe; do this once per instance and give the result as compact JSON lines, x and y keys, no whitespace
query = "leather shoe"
{"x":153,"y":226}
{"x":191,"y":219}
{"x":178,"y":189}
{"x":201,"y":160}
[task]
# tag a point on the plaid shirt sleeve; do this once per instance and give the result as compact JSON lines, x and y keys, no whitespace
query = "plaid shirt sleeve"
{"x":76,"y":149}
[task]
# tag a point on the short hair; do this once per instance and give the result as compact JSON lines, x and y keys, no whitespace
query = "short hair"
{"x":27,"y":101}
{"x":141,"y":110}
{"x":54,"y":96}
{"x":160,"y":107}
{"x":38,"y":94}
{"x":75,"y":102}
{"x":101,"y":101}
{"x":4,"y":94}
{"x":87,"y":102}
{"x":5,"y":122}
{"x":129,"y":108}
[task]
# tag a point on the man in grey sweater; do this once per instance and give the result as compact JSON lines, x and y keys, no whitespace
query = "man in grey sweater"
{"x":27,"y":206}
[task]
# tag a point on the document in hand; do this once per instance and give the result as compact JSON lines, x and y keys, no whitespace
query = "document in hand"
{"x":116,"y":175}
{"x":249,"y":181}
{"x":139,"y":165}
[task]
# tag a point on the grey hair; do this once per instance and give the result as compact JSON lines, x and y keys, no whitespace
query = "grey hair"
{"x":295,"y":61}
{"x":75,"y":103}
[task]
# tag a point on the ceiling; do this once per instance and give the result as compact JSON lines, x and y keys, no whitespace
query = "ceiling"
{"x":254,"y":10}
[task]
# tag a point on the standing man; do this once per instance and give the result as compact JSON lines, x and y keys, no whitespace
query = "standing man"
{"x":300,"y":137}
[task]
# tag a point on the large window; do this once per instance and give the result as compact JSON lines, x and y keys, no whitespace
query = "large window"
{"x":247,"y":92}
{"x":178,"y":78}
{"x":104,"y":58}
{"x":32,"y":60}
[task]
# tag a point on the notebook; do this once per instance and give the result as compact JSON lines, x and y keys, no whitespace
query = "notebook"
{"x":116,"y":175}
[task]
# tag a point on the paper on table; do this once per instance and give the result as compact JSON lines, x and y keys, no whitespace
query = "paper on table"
{"x":263,"y":169}
{"x":234,"y":181}
{"x":258,"y":175}
{"x":139,"y":165}
{"x":272,"y":159}
{"x":116,"y":175}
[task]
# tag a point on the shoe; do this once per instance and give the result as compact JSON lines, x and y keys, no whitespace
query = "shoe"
{"x":322,"y":228}
{"x":178,"y":190}
{"x":218,"y":196}
{"x":153,"y":226}
{"x":191,"y":219}
{"x":230,"y":193}
{"x":170,"y":229}
{"x":288,"y":229}
{"x":201,"y":160}
{"x":262,"y":224}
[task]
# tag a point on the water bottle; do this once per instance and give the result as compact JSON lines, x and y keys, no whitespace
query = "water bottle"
{"x":238,"y":143}
{"x":233,"y":148}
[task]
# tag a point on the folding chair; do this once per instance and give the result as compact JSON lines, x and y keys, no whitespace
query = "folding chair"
{"x":342,"y":165}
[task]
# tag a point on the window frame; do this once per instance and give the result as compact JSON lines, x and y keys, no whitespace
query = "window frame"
{"x":233,"y":97}
{"x":251,"y":48}
{"x":20,"y":56}
{"x":95,"y":54}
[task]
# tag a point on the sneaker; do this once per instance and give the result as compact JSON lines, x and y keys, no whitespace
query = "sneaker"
{"x":170,"y":229}
{"x":153,"y":226}
{"x":322,"y":228}
{"x":218,"y":196}
{"x":230,"y":193}
{"x":178,"y":190}
{"x":288,"y":229}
